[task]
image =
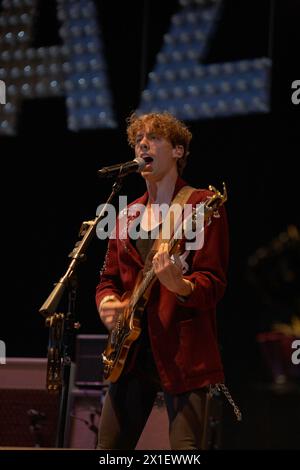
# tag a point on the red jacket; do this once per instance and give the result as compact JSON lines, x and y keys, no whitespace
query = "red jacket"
{"x":182,"y":334}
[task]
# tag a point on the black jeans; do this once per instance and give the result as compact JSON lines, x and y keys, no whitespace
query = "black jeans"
{"x":128,"y":404}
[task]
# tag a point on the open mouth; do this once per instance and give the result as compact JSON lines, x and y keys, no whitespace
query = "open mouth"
{"x":147,"y":159}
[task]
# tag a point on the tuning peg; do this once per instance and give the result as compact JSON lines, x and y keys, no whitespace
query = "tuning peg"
{"x":224,"y":195}
{"x":212,"y":188}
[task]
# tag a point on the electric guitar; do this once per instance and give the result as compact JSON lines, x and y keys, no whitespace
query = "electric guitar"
{"x":128,"y":326}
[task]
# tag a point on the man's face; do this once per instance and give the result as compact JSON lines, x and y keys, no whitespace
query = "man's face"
{"x":150,"y":145}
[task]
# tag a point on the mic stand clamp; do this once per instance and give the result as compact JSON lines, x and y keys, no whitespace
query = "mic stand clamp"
{"x":61,"y":326}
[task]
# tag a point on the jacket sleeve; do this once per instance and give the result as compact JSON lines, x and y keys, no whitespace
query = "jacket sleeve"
{"x":209,"y":266}
{"x":110,"y":282}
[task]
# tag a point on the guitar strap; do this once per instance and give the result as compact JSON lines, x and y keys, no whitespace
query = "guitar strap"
{"x":173,"y":217}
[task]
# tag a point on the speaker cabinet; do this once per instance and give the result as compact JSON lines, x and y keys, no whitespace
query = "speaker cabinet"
{"x":28,"y":414}
{"x":28,"y":418}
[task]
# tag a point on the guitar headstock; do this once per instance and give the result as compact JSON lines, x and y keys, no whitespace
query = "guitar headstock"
{"x":215,"y":201}
{"x":200,"y":216}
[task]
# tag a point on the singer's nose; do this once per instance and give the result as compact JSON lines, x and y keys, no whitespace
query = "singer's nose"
{"x":144,"y":144}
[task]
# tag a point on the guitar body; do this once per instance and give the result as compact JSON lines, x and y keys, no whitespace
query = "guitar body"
{"x":123,"y":335}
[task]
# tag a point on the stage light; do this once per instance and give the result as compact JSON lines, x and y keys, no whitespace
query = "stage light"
{"x":69,"y":85}
{"x":25,"y":18}
{"x":54,"y":85}
{"x":71,"y":67}
{"x":9,"y":38}
{"x":189,"y":110}
{"x":225,"y":87}
{"x":28,"y":71}
{"x":40,"y":88}
{"x":222,"y":106}
{"x":22,"y":37}
{"x":193,"y":90}
{"x":90,"y":30}
{"x":200,"y":90}
{"x":198,"y":35}
{"x":54,"y":68}
{"x":71,"y":102}
{"x":55,"y":51}
{"x":31,"y":53}
{"x":199,"y":71}
{"x":97,"y":82}
{"x":87,"y":120}
{"x":177,"y":19}
{"x":13,"y":20}
{"x":192,"y":54}
{"x":83,"y":83}
{"x":85,"y":101}
{"x":4,"y":125}
{"x":184,"y":37}
{"x":76,"y":31}
{"x":15,"y":72}
{"x":170,"y":40}
{"x":154,"y":77}
{"x":184,"y":73}
{"x":73,"y":123}
{"x":80,"y":66}
{"x":67,"y":67}
{"x":162,"y":93}
{"x":18,"y":55}
{"x":209,"y":88}
{"x":42,"y":52}
{"x":239,"y":104}
{"x":178,"y":92}
{"x":26,"y":89}
{"x":41,"y":70}
{"x":258,"y":83}
{"x":9,"y":108}
{"x":177,"y":55}
{"x":100,"y":100}
{"x":162,"y":58}
{"x":241,"y":85}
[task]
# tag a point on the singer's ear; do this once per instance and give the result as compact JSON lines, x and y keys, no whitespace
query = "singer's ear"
{"x":178,"y":151}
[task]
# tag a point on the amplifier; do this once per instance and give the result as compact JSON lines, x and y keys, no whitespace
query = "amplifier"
{"x":89,"y":367}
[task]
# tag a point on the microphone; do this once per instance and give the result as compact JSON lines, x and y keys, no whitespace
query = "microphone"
{"x":122,"y":169}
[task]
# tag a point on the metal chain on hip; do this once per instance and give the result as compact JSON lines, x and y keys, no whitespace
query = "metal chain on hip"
{"x":222,"y":388}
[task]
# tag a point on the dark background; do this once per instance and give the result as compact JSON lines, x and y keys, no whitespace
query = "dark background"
{"x":53,"y":186}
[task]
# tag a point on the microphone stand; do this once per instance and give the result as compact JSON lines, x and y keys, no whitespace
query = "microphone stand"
{"x":62,"y":326}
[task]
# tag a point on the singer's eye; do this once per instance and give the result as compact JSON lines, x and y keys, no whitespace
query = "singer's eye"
{"x":138,"y":139}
